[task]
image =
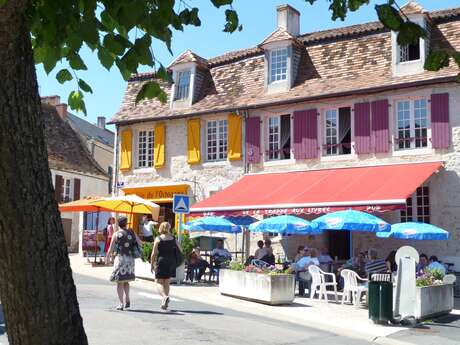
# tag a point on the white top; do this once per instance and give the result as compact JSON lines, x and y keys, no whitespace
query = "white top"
{"x":147,"y":228}
{"x":221,"y":252}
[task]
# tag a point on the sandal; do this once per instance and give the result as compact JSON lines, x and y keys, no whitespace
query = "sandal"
{"x":166,"y":303}
{"x":127,"y":305}
{"x":119,"y":307}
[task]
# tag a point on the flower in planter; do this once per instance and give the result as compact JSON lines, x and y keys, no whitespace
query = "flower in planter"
{"x":430,"y":277}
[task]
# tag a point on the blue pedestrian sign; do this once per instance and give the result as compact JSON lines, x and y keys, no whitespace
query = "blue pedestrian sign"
{"x":181,"y":203}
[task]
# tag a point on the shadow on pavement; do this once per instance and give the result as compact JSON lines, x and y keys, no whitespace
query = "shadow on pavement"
{"x":147,"y":311}
{"x":202,"y":312}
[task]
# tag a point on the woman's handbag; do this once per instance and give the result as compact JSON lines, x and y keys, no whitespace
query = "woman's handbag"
{"x":178,"y":256}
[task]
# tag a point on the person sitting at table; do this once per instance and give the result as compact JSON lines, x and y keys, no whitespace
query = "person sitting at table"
{"x":422,"y":264}
{"x":390,"y":261}
{"x":435,"y":264}
{"x":220,"y":255}
{"x":195,"y":261}
{"x":299,"y":254}
{"x":374,"y":265}
{"x":266,"y":253}
{"x":259,"y":250}
{"x":310,"y":257}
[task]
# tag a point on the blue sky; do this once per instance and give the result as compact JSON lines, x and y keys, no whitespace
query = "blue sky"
{"x":258,"y":19}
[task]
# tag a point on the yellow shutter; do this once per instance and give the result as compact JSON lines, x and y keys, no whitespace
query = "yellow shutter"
{"x":193,"y":139}
{"x":234,"y":137}
{"x":159,"y":145}
{"x":126,"y":149}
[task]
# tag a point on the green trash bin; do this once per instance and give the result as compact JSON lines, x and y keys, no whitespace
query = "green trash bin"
{"x":380,"y":298}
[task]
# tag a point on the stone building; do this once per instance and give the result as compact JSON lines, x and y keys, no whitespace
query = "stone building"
{"x":351,"y":112}
{"x":75,"y":173}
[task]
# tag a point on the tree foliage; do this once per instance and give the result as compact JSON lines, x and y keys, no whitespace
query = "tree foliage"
{"x":120,"y":32}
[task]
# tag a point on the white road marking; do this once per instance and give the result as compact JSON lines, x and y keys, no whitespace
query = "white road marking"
{"x":157,"y":297}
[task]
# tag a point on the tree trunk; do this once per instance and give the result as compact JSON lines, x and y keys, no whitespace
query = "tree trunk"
{"x":36,"y":285}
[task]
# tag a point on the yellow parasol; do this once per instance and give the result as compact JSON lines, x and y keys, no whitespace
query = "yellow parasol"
{"x":128,"y":204}
{"x":82,"y":205}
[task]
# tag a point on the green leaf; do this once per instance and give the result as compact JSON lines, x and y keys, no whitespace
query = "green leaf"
{"x":410,"y":33}
{"x":163,"y":74}
{"x":75,"y":61}
{"x":151,"y":90}
{"x":389,"y":17}
{"x":354,"y":5}
{"x":142,"y":49}
{"x":339,"y":9}
{"x":89,"y":31}
{"x":2,"y":2}
{"x":76,"y":102}
{"x":116,"y":44}
{"x":107,"y":21}
{"x":105,"y":57}
{"x":63,"y":75}
{"x":85,"y":87}
{"x":436,"y":60}
{"x":456,"y":56}
{"x":219,"y":3}
{"x":125,"y":72}
{"x":232,"y":21}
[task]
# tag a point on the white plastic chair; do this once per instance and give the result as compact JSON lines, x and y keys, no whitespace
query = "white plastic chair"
{"x":319,"y":283}
{"x":352,"y":288}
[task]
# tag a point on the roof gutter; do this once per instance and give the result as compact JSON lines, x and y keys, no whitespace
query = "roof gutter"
{"x":370,"y":90}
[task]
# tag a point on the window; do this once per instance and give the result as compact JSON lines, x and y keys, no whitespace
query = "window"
{"x":412,"y":122}
{"x":410,"y":52}
{"x":279,"y":137}
{"x":417,"y":206}
{"x":110,"y":173}
{"x":145,"y":149}
{"x":216,"y":140}
{"x":278,"y":65}
{"x":67,"y":190}
{"x":338,"y":131}
{"x":182,"y":85}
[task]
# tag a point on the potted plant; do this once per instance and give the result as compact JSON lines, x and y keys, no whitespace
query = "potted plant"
{"x":433,"y":295}
{"x":260,"y":284}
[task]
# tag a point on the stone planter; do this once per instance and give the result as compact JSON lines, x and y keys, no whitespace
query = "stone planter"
{"x":264,"y":288}
{"x":433,"y":300}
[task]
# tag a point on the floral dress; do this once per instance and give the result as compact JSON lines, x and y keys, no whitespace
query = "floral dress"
{"x":123,"y":267}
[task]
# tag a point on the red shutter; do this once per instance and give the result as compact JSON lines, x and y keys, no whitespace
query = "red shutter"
{"x":380,"y":126}
{"x":253,"y":140}
{"x":76,"y":188}
{"x":58,"y":187}
{"x":311,"y":137}
{"x":440,"y":129}
{"x":300,"y":134}
{"x":362,"y":128}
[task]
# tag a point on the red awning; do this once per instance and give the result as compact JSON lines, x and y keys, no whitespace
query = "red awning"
{"x":376,"y":188}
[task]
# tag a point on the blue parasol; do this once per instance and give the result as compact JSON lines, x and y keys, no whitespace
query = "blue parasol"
{"x":415,"y":231}
{"x":241,"y":220}
{"x":351,"y":220}
{"x":217,"y":224}
{"x":286,"y":225}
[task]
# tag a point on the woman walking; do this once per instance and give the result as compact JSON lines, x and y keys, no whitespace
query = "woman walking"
{"x":110,"y":229}
{"x":163,"y":261}
{"x":124,"y":245}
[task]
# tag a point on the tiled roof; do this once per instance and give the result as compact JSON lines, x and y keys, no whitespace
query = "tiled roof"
{"x":347,"y":60}
{"x":90,"y":130}
{"x":65,"y":149}
{"x":279,"y":35}
{"x":189,"y":56}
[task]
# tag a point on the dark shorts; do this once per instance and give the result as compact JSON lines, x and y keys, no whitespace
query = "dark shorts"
{"x":147,"y":238}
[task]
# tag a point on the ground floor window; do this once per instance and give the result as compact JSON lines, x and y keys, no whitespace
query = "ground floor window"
{"x":417,"y":206}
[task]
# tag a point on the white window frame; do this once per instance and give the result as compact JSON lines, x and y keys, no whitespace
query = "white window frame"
{"x":182,"y":92}
{"x":67,"y":189}
{"x":324,"y":137}
{"x":414,"y":199}
{"x":220,"y":142}
{"x":149,"y":161}
{"x":273,"y":155}
{"x":412,"y":129}
{"x":406,"y":47}
{"x":283,"y":76}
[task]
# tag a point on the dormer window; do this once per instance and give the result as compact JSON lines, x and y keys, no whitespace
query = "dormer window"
{"x":278,"y":65}
{"x":410,"y":52}
{"x":182,"y":85}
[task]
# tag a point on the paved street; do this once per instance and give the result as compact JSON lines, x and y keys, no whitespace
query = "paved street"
{"x":189,"y":321}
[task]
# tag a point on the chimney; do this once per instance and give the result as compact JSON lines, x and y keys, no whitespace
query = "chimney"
{"x":51,"y":100}
{"x":288,"y":18}
{"x":61,"y":109}
{"x":101,"y":122}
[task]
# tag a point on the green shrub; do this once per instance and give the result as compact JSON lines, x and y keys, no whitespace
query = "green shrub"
{"x":146,"y":251}
{"x":236,"y":266}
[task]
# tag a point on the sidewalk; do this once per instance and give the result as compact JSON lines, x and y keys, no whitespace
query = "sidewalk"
{"x":343,"y":320}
